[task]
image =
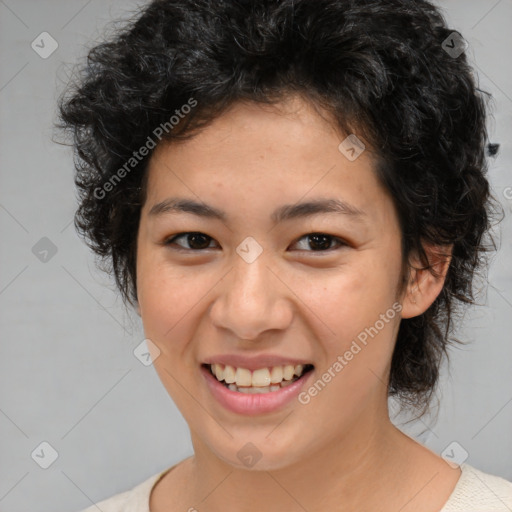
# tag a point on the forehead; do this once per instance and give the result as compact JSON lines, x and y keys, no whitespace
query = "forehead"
{"x":264,"y":154}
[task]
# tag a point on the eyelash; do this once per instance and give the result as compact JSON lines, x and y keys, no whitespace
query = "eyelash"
{"x":171,"y":241}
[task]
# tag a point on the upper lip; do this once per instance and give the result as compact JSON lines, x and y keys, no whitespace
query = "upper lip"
{"x":254,"y":362}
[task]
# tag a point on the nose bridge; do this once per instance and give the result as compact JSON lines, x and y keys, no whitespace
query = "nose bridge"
{"x":251,"y":300}
{"x":251,"y":284}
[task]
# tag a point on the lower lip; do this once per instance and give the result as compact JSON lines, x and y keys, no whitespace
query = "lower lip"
{"x":244,"y":403}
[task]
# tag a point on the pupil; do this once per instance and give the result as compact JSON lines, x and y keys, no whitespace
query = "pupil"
{"x":321,"y":241}
{"x":198,"y":241}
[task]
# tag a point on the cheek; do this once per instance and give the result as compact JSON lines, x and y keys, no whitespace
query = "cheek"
{"x":167,"y":303}
{"x":361,"y":310}
{"x":359,"y":305}
{"x":354,"y":296}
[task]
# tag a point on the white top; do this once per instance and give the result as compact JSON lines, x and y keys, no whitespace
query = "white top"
{"x":475,"y":492}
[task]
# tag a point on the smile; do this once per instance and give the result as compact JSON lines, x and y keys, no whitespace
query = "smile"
{"x":262,"y":380}
{"x":260,"y":391}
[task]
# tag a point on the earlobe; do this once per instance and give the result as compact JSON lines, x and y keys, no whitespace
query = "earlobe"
{"x":425,"y":284}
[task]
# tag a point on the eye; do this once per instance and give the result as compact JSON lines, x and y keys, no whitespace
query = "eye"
{"x":320,"y":242}
{"x":195,"y":240}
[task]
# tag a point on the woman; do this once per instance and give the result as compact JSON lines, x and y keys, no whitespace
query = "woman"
{"x":292,"y":195}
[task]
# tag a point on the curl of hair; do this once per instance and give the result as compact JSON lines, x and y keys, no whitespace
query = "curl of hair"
{"x":377,"y":67}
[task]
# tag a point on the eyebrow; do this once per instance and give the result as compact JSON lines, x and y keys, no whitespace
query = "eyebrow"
{"x":283,"y":213}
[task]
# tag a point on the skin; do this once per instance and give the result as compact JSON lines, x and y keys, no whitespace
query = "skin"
{"x":340,"y":451}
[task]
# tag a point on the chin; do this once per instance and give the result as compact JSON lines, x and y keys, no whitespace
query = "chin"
{"x":259,"y":454}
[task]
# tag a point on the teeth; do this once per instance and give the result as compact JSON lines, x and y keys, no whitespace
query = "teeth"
{"x":229,"y":374}
{"x":249,"y":390}
{"x":243,"y":377}
{"x":276,"y":376}
{"x":261,"y":377}
{"x":288,"y":372}
{"x":261,"y":380}
{"x":254,"y":391}
{"x":218,"y":372}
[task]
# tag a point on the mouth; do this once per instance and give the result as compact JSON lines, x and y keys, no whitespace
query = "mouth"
{"x":261,"y":380}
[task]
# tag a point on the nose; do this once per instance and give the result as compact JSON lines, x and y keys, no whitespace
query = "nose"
{"x":251,"y":300}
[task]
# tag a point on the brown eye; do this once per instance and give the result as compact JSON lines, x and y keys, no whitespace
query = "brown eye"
{"x":195,"y":240}
{"x":320,"y":242}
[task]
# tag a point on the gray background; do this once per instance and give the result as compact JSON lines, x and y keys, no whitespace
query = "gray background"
{"x":68,"y":375}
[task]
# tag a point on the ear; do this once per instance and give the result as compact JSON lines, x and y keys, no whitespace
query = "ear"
{"x":138,"y":309}
{"x":424,"y":285}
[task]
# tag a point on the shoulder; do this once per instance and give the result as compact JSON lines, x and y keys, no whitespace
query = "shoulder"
{"x":477,"y":491}
{"x":133,"y":500}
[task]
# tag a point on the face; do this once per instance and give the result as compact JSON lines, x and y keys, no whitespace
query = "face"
{"x":250,"y":280}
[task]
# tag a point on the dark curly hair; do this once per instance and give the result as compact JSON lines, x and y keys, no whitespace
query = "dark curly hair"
{"x":380,"y":68}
